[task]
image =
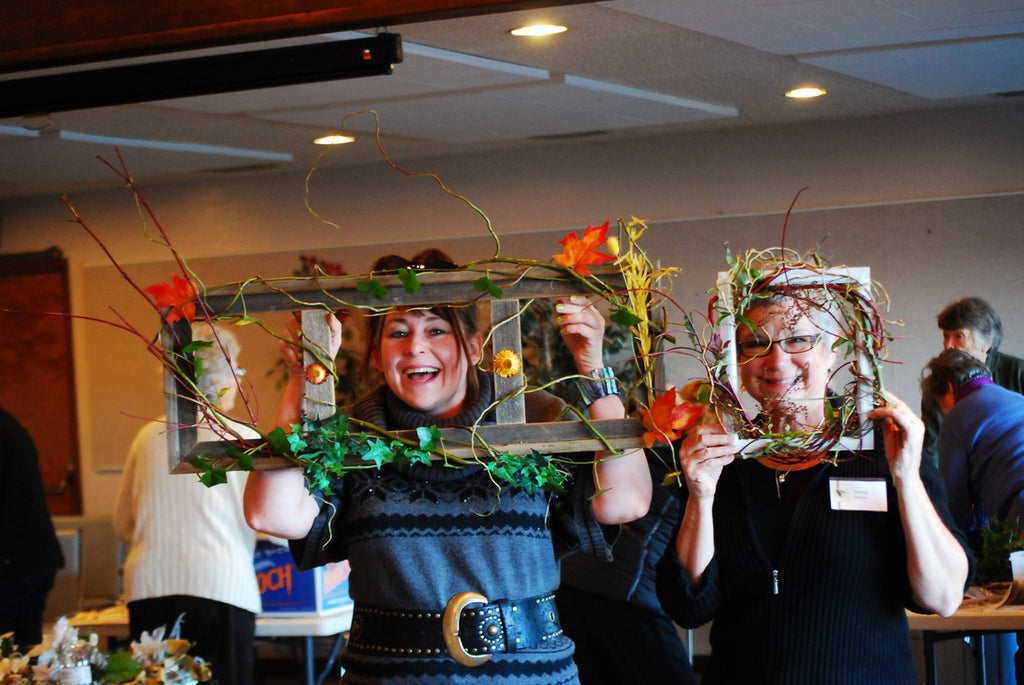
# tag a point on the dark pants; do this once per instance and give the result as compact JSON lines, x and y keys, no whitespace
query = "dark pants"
{"x":620,"y":644}
{"x":22,"y":603}
{"x":222,"y":634}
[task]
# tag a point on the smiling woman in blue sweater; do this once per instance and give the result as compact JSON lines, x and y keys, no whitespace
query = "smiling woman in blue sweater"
{"x":419,"y":537}
{"x":799,"y":589}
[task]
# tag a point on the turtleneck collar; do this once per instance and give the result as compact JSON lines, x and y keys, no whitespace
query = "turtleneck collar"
{"x":382,"y":407}
{"x":970,"y":386}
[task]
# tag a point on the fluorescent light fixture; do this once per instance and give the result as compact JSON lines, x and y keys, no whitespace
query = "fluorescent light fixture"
{"x":538,"y":30}
{"x":174,"y":146}
{"x":626,"y":91}
{"x":334,"y":139}
{"x":804,"y":93}
{"x":18,"y":131}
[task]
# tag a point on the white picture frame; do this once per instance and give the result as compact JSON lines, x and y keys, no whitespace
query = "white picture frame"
{"x":852,"y":279}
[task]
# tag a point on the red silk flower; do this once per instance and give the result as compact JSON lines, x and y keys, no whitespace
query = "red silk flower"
{"x":579,"y":253}
{"x":178,"y":295}
{"x":668,"y":417}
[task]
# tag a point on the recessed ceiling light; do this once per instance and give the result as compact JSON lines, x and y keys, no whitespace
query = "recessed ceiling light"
{"x":803,"y":93}
{"x":538,"y":30}
{"x":334,"y":139}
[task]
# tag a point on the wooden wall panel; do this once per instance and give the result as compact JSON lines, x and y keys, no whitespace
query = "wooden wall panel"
{"x":37,"y":379}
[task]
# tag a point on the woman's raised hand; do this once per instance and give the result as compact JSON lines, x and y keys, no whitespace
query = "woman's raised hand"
{"x":903,"y":432}
{"x":706,"y":450}
{"x":290,"y":346}
{"x":582,"y":327}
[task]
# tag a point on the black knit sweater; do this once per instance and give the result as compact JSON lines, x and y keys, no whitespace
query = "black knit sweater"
{"x":829,"y":609}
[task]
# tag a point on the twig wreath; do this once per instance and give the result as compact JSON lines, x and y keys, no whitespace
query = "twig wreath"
{"x":328,"y":444}
{"x":842,"y":303}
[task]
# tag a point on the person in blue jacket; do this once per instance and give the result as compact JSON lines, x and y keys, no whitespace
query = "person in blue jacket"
{"x":972,"y":326}
{"x":981,"y":458}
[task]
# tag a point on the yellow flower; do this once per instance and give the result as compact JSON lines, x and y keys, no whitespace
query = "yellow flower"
{"x":317,"y":373}
{"x":507,"y":364}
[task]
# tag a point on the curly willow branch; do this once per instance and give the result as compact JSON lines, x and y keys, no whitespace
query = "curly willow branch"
{"x":391,"y":163}
{"x":859,"y":332}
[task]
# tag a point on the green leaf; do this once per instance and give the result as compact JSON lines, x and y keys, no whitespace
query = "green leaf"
{"x":200,"y":463}
{"x":374,"y":287}
{"x":245,"y":462}
{"x":500,"y":469}
{"x":486,"y":285}
{"x":378,"y":452}
{"x":197,"y":345}
{"x":215,"y":476}
{"x":409,"y":280}
{"x":121,"y":668}
{"x":279,"y":442}
{"x":624,"y":317}
{"x":744,"y":321}
{"x":418,"y":457}
{"x":242,"y":458}
{"x":992,"y":550}
{"x":429,"y":436}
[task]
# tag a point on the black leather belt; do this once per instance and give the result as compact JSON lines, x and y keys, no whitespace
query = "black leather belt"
{"x":469,"y":629}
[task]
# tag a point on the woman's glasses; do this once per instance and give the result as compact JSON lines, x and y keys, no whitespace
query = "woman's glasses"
{"x":752,"y":349}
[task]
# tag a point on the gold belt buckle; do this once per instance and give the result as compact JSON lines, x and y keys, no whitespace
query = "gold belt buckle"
{"x":450,"y":626}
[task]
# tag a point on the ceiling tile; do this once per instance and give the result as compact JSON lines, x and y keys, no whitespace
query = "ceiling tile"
{"x":937,"y":71}
{"x":788,"y":27}
{"x":560,"y":106}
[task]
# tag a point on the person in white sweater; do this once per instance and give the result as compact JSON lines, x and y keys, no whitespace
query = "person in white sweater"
{"x":190,"y":550}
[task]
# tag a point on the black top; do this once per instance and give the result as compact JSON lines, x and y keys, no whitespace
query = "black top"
{"x":826,"y":605}
{"x":30,"y":542}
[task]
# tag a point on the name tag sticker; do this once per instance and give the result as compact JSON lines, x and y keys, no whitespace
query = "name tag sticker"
{"x":858,"y":494}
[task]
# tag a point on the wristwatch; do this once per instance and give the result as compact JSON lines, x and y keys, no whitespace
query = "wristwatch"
{"x":601,"y":383}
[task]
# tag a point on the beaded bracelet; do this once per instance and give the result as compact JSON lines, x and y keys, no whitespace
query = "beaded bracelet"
{"x":602,"y":382}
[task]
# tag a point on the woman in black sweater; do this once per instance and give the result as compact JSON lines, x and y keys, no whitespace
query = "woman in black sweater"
{"x":806,"y":566}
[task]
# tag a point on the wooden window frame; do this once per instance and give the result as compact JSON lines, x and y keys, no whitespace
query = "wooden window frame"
{"x":509,"y":435}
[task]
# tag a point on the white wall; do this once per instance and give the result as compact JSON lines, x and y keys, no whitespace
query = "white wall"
{"x":933,"y":203}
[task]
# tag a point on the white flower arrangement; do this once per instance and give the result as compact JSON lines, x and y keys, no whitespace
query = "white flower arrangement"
{"x":153,"y":660}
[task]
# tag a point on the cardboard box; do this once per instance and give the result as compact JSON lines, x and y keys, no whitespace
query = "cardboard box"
{"x":285,"y":591}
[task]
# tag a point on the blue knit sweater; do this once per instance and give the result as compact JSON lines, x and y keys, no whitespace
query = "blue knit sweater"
{"x":417,"y":536}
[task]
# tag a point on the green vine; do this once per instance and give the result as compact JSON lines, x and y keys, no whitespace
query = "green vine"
{"x":327,"y":449}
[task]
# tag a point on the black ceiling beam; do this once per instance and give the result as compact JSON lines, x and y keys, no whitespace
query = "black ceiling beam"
{"x":227,"y":73}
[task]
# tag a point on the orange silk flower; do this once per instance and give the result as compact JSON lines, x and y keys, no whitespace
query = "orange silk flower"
{"x":668,"y":417}
{"x":178,"y":295}
{"x":579,"y":253}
